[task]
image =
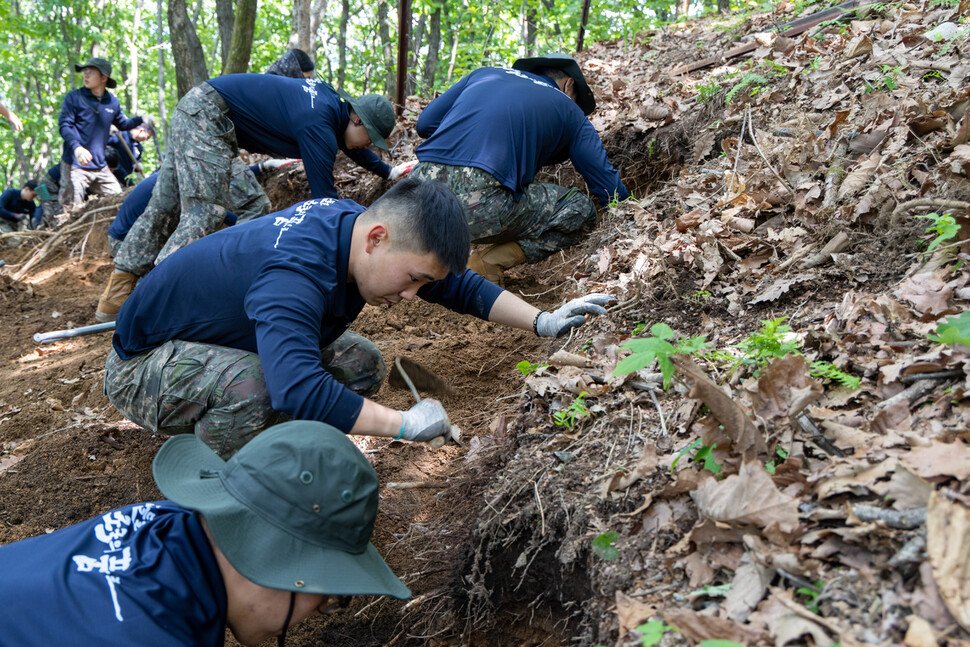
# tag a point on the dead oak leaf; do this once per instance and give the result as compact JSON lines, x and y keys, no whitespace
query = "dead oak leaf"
{"x":940,"y":459}
{"x":749,"y":498}
{"x":948,"y":544}
{"x":697,"y":627}
{"x":927,"y":291}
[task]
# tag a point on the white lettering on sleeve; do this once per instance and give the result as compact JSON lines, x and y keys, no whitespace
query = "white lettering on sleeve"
{"x":301,"y":211}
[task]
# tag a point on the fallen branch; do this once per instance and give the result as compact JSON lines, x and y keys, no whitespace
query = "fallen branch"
{"x":410,"y":485}
{"x":936,"y":375}
{"x":838,"y":242}
{"x":937,"y":203}
{"x":910,"y":394}
{"x":757,"y":146}
{"x":899,"y":519}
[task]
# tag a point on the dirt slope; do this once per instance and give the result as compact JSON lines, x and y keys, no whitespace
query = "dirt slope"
{"x":752,"y":501}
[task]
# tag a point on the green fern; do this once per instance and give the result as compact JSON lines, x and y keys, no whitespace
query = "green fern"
{"x":748,"y":79}
{"x":829,"y":371}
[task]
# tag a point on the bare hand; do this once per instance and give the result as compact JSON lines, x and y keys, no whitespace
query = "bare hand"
{"x":82,"y":155}
{"x":401,"y":170}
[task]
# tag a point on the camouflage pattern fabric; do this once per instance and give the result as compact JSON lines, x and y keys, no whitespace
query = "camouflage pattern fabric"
{"x":546,"y":219}
{"x":51,"y":207}
{"x":114,"y":245}
{"x":219,"y":393}
{"x":246,"y":197}
{"x":193,"y":188}
{"x":81,"y":181}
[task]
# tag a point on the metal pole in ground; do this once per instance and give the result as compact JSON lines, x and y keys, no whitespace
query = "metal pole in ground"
{"x":55,"y":335}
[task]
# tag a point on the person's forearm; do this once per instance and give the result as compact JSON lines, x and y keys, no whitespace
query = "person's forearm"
{"x":512,"y":311}
{"x":377,"y":420}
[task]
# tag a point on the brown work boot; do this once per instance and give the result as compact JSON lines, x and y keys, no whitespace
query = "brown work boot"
{"x":120,"y":285}
{"x":498,"y":258}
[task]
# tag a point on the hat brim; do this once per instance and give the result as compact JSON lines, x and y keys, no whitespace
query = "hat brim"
{"x":262,"y":552}
{"x":375,"y":135}
{"x":584,"y":94}
{"x":111,"y":82}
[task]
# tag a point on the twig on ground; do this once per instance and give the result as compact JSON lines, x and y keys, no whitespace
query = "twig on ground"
{"x":771,"y":168}
{"x":899,"y":519}
{"x":936,"y":375}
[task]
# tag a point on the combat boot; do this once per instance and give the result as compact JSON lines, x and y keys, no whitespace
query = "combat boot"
{"x":119,"y":288}
{"x":493,"y":261}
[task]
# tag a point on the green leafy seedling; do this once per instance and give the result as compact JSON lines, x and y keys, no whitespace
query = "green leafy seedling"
{"x":953,"y":331}
{"x":638,"y":328}
{"x":831,"y":372}
{"x":712,"y":590}
{"x":604,"y":546}
{"x":647,"y":349}
{"x":568,"y":416}
{"x":812,"y":594}
{"x":780,"y":452}
{"x":528,"y":368}
{"x":686,"y":450}
{"x":652,"y":632}
{"x":944,"y":226}
{"x":705,"y":455}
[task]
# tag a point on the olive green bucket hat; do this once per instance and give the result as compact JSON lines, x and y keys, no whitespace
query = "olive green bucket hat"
{"x":100,"y":64}
{"x":294,"y":509}
{"x":377,"y":115}
{"x":566,"y":63}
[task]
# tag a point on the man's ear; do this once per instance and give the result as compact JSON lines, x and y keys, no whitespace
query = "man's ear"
{"x":376,"y":234}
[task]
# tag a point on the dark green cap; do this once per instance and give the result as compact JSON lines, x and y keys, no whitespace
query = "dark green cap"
{"x":566,"y":63}
{"x":102,"y":65}
{"x":377,"y":115}
{"x":294,"y":509}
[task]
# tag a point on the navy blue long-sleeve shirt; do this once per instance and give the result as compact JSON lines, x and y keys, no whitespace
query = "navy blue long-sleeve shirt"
{"x":285,"y":117}
{"x":276,"y":286}
{"x":125,"y":166}
{"x":86,"y":121}
{"x":511,"y":124}
{"x":13,"y":206}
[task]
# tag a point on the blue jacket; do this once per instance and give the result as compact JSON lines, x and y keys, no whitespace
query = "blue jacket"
{"x":302,"y":118}
{"x":144,"y":574}
{"x":86,"y":121}
{"x":276,"y":286}
{"x":136,"y":202}
{"x":511,"y":124}
{"x":125,"y":166}
{"x":13,"y":206}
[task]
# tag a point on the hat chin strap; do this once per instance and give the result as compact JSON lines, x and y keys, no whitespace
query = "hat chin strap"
{"x":281,"y":639}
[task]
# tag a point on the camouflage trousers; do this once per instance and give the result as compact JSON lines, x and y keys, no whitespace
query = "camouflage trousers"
{"x":76,"y":183}
{"x":52,"y":207}
{"x":546,"y":219}
{"x":219,"y":393}
{"x":194,"y":185}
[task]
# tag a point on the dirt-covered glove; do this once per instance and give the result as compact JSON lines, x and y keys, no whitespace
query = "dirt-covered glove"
{"x":424,"y":421}
{"x":401,"y":170}
{"x":560,"y":321}
{"x":269,"y":165}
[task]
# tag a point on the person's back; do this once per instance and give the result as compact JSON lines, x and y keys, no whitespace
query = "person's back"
{"x":98,"y":583}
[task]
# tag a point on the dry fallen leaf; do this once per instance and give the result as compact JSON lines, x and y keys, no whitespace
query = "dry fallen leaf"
{"x":948,"y":545}
{"x":749,"y":498}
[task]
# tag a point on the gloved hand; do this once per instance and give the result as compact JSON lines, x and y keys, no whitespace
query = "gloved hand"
{"x":148,"y":122}
{"x":425,"y":420}
{"x":560,"y":321}
{"x":269,"y":165}
{"x":401,"y":170}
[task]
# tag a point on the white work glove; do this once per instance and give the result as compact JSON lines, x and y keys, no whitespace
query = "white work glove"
{"x":424,"y":421}
{"x":269,"y":165}
{"x":401,"y":170}
{"x":560,"y":321}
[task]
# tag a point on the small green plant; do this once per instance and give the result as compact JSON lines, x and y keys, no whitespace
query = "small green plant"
{"x":712,"y":590}
{"x":705,"y":455}
{"x":650,"y":146}
{"x":684,"y":452}
{"x":816,"y":62}
{"x":780,"y":452}
{"x":945,"y":227}
{"x":567,"y":417}
{"x":647,"y":349}
{"x":528,"y":368}
{"x":770,"y":341}
{"x":812,"y":593}
{"x":700,"y":296}
{"x":652,"y":632}
{"x":890,"y":76}
{"x":755,"y":81}
{"x":708,"y":91}
{"x":953,"y":331}
{"x":830,"y":371}
{"x":638,"y":328}
{"x":604,"y":546}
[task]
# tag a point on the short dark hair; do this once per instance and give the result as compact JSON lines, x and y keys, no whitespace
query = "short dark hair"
{"x":111,"y":156}
{"x":425,"y":217}
{"x":31,"y":184}
{"x":304,"y":60}
{"x":553,"y":73}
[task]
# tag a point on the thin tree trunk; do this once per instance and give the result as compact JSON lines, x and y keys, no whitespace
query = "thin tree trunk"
{"x":455,"y":26}
{"x":317,"y":12}
{"x":413,"y":52}
{"x":162,"y":120}
{"x":225,"y":19}
{"x":132,"y":82}
{"x":243,"y":29}
{"x":530,"y":28}
{"x":186,"y":49}
{"x":342,"y":43}
{"x":300,"y":26}
{"x":434,"y":44}
{"x":723,"y":6}
{"x":387,"y":47}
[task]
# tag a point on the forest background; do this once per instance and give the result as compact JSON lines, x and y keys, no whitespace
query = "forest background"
{"x":161,"y":49}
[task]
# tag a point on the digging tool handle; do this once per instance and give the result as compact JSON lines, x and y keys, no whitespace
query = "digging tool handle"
{"x":55,"y":335}
{"x":131,"y":155}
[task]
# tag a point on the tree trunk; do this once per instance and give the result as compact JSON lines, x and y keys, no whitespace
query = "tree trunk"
{"x":225,"y":19}
{"x":454,"y":41}
{"x":317,"y":12}
{"x":413,"y":50}
{"x":684,"y":8}
{"x":723,"y":6}
{"x":387,"y":47}
{"x":300,"y":26}
{"x":162,"y":121}
{"x":434,"y":43}
{"x":529,"y":28}
{"x":342,"y":43}
{"x":131,"y":84}
{"x":186,"y":49}
{"x":244,"y":26}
